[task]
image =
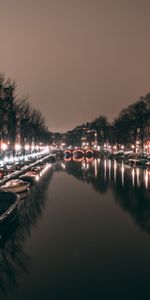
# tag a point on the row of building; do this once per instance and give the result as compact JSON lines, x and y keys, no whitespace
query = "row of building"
{"x":104,"y":139}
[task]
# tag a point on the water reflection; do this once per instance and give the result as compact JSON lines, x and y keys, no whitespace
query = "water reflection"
{"x":131,"y":186}
{"x":13,"y":258}
{"x":133,"y":177}
{"x":146,"y":178}
{"x":128,"y":186}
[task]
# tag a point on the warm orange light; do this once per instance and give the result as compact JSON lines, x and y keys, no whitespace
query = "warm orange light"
{"x":78,"y":159}
{"x":4,"y":146}
{"x":68,"y":151}
{"x":17,"y":147}
{"x":78,"y":150}
{"x":89,"y":159}
{"x":67,"y":159}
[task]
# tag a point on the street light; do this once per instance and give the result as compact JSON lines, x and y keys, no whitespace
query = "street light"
{"x":17,"y":147}
{"x":4,"y":147}
{"x":26,"y":152}
{"x":27,"y":147}
{"x":32,"y":148}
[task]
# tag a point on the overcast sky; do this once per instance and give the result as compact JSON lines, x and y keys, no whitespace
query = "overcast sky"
{"x":76,"y":59}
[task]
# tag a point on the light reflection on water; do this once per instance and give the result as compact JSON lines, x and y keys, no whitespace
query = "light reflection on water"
{"x":138,"y":176}
{"x":129,"y":187}
{"x":114,"y":171}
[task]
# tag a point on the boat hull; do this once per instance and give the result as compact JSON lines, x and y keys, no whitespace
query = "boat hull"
{"x":17,"y":189}
{"x":11,"y":211}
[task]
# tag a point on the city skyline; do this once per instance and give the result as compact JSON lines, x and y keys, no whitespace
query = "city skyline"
{"x":76,"y":59}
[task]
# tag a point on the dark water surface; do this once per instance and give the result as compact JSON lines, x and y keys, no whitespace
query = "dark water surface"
{"x":82,"y":233}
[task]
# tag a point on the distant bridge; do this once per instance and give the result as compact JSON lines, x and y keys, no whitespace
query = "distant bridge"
{"x":79,"y":153}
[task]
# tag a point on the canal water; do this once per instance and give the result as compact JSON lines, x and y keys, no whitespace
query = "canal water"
{"x":82,"y":233}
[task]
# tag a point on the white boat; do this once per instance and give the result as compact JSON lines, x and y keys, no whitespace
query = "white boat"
{"x":31,"y":174}
{"x":15,"y":186}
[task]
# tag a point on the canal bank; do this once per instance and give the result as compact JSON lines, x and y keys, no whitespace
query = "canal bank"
{"x":16,"y":174}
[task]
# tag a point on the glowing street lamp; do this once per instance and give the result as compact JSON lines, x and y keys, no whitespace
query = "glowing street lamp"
{"x":18,"y":147}
{"x":32,"y":148}
{"x":27,"y":147}
{"x":4,"y":146}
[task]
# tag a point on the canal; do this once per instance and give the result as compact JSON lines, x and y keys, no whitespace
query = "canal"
{"x":82,"y":233}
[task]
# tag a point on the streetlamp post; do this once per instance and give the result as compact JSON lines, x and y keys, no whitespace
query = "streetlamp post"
{"x":3,"y":149}
{"x":27,"y":148}
{"x":17,"y":149}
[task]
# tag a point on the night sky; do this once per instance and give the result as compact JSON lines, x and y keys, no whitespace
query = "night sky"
{"x":76,"y":59}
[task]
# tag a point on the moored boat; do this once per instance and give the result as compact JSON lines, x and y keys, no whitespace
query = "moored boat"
{"x":8,"y":205}
{"x":15,"y":186}
{"x":30,"y":178}
{"x":52,"y":158}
